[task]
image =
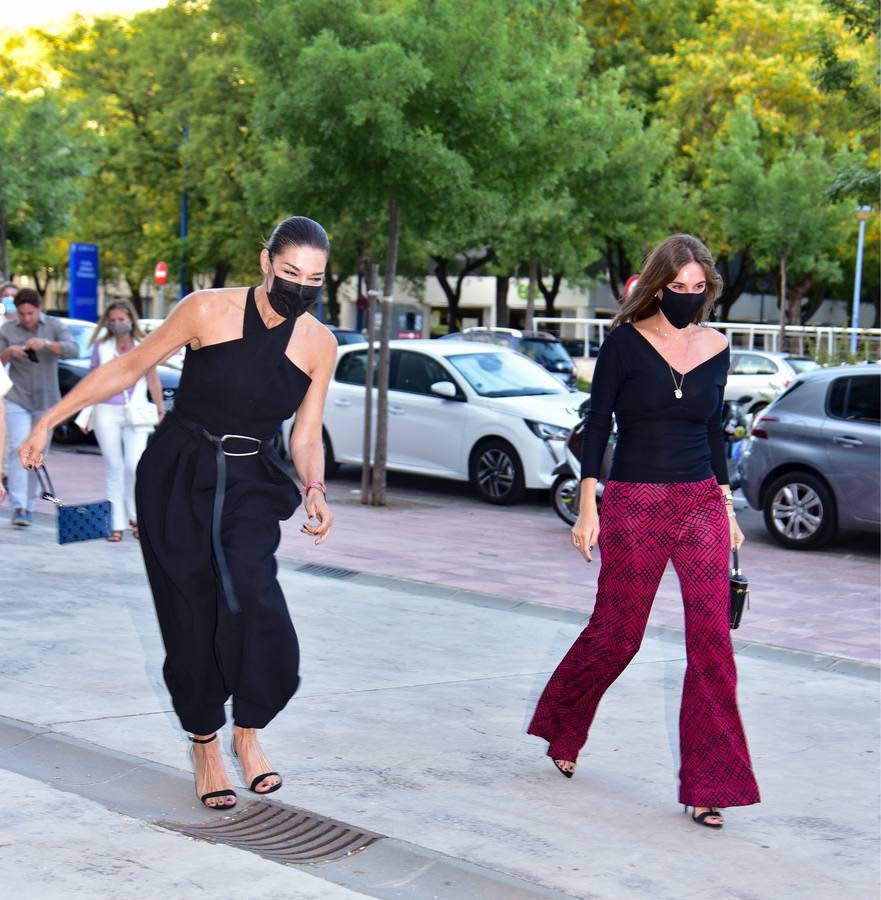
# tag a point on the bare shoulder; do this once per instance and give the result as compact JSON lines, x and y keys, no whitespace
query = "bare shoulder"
{"x":319,"y":337}
{"x":214,"y":301}
{"x":714,"y":340}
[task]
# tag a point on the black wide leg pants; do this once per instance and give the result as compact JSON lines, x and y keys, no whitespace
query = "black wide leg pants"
{"x":213,"y":654}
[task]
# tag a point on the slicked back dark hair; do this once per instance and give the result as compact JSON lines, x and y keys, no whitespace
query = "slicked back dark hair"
{"x":297,"y":231}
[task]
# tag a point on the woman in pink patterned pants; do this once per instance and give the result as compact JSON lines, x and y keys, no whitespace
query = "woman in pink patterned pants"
{"x":667,"y":499}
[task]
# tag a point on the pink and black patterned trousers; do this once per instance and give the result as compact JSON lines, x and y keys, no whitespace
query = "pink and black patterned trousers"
{"x":642,"y":526}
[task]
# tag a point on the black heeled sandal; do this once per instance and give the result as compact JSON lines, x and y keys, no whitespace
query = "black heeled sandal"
{"x":702,"y":818}
{"x":211,"y":794}
{"x":255,"y":781}
{"x":560,"y":769}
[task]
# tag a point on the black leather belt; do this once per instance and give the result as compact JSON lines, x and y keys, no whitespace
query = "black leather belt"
{"x":259,"y":445}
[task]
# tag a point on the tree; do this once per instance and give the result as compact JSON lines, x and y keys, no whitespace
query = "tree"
{"x":782,"y":210}
{"x":39,"y":168}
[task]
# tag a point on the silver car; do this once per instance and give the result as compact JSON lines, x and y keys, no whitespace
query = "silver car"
{"x":813,"y":458}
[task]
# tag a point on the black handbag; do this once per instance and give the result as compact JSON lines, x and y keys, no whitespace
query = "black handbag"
{"x":739,"y":591}
{"x":76,"y":522}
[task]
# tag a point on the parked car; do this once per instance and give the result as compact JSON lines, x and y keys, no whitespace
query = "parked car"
{"x":72,"y":371}
{"x":812,"y":460}
{"x":756,"y":377}
{"x":542,"y":346}
{"x":460,"y":410}
{"x":347,"y":335}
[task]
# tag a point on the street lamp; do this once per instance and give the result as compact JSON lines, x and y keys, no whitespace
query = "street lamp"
{"x":863,"y":214}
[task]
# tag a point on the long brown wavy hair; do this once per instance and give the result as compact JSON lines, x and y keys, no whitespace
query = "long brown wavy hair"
{"x":128,"y":308}
{"x":660,"y":268}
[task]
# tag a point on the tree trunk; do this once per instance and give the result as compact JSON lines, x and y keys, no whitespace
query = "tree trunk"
{"x":221,"y":273}
{"x":817,"y":293}
{"x":454,"y":295}
{"x":797,"y":293}
{"x":391,"y":266}
{"x":618,"y":268}
{"x":733,"y":287}
{"x":781,"y":344}
{"x":550,"y":293}
{"x":333,"y":290}
{"x":41,"y":288}
{"x":503,"y":283}
{"x":367,"y":446}
{"x":134,"y":285}
{"x":530,"y":294}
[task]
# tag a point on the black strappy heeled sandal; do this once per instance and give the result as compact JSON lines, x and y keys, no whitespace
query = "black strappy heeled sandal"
{"x":702,"y":818}
{"x":255,"y":781}
{"x":211,"y":794}
{"x":561,"y":770}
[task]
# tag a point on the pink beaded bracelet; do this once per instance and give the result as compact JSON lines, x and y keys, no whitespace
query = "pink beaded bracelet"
{"x":313,"y":484}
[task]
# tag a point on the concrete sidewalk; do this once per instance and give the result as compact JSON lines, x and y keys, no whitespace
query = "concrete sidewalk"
{"x":410,"y":723}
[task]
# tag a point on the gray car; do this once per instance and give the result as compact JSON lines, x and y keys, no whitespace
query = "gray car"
{"x":812,"y":461}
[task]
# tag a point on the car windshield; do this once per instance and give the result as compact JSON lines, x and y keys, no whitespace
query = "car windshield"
{"x":546,"y":353}
{"x":504,"y":375}
{"x":803,"y":363}
{"x":82,"y":334}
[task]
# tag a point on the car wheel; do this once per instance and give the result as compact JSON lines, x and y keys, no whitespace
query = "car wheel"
{"x":564,"y":497}
{"x":496,"y":472}
{"x":800,"y":511}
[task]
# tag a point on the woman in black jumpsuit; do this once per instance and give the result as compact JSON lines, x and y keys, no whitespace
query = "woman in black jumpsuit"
{"x":211,"y":491}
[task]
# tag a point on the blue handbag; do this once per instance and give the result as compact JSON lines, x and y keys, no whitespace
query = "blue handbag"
{"x":76,"y":522}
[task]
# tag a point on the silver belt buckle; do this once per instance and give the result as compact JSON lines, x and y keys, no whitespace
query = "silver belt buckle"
{"x":241,"y":437}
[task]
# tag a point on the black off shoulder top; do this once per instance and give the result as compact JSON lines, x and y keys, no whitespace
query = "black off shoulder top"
{"x":660,"y":439}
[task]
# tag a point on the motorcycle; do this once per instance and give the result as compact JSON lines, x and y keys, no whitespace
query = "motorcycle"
{"x":567,"y":483}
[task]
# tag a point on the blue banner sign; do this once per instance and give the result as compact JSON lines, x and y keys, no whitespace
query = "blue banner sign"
{"x":83,"y":303}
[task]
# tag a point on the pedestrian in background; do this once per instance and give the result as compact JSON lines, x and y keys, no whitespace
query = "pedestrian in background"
{"x":5,"y":386}
{"x":7,"y":298}
{"x":119,"y":427}
{"x":32,"y":346}
{"x":211,"y":490}
{"x":662,"y":373}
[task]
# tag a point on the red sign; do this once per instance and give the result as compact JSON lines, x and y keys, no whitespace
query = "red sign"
{"x":160,"y":273}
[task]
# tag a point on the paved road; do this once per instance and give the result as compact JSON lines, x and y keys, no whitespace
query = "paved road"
{"x":437,"y":532}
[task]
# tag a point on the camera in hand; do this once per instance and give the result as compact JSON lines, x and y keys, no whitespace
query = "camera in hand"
{"x":31,"y":354}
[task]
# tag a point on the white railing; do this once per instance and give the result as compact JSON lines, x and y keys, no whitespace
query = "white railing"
{"x":748,"y":335}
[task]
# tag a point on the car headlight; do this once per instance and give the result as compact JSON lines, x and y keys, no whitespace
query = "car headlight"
{"x":548,"y":432}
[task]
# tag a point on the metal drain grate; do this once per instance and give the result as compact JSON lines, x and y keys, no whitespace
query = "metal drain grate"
{"x":326,"y":571}
{"x":285,"y":835}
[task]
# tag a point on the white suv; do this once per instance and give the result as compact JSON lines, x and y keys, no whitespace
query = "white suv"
{"x":458,"y":410}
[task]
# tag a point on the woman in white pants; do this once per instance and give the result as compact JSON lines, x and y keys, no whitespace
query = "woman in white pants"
{"x":123,"y":422}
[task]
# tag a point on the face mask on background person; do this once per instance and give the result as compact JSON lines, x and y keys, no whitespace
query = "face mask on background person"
{"x":680,"y":309}
{"x":291,"y":299}
{"x":8,"y":306}
{"x":119,"y":328}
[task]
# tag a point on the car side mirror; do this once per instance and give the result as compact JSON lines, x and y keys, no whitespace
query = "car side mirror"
{"x":445,"y":389}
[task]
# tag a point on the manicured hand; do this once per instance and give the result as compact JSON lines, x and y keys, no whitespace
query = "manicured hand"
{"x":737,"y":537}
{"x":585,"y":533}
{"x":30,"y":453}
{"x":317,"y":509}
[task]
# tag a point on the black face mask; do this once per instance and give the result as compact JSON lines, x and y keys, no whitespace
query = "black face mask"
{"x":680,"y":309}
{"x":291,"y":299}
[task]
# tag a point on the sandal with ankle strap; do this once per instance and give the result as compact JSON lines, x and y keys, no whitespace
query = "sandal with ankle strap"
{"x":255,"y":781}
{"x":212,"y":794}
{"x":561,"y":770}
{"x":701,"y":818}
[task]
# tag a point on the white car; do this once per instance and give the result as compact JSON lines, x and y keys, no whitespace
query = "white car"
{"x":176,"y":360}
{"x":756,"y":377}
{"x":463,"y":411}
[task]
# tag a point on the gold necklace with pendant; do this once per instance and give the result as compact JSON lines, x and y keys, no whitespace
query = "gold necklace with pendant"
{"x":677,"y":388}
